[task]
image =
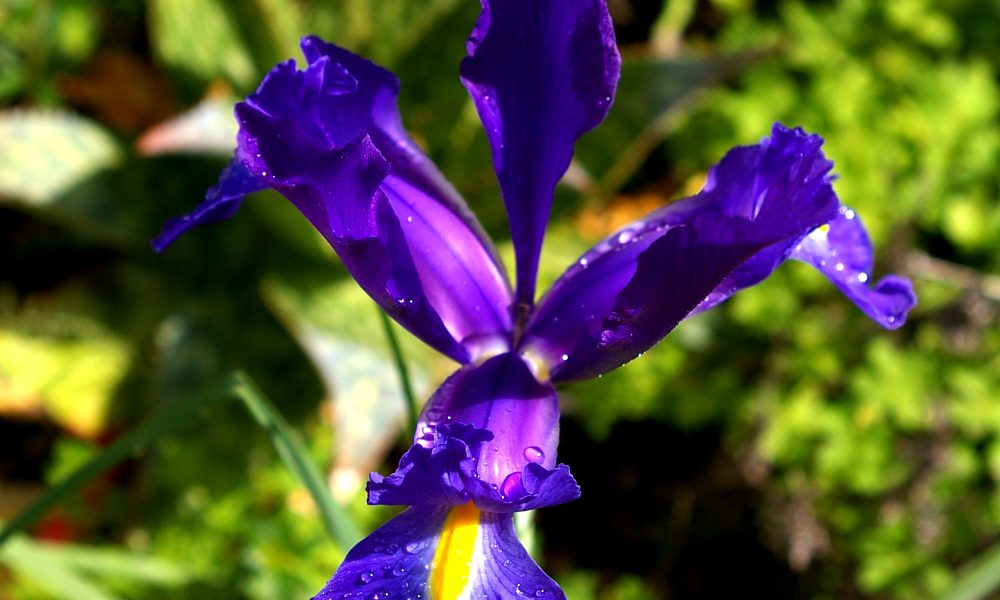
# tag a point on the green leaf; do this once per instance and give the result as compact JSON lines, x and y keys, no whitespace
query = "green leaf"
{"x":50,"y":573}
{"x":340,"y":330}
{"x":44,"y":153}
{"x":70,"y":378}
{"x":978,"y":579}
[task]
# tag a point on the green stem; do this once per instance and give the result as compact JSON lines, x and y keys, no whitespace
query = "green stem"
{"x":293,"y":452}
{"x":404,"y":374}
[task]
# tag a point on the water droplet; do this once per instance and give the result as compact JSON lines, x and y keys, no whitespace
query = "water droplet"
{"x":890,"y":319}
{"x":584,"y":262}
{"x":399,"y":570}
{"x":849,"y":214}
{"x":839,"y":266}
{"x":539,"y":593}
{"x":565,"y":357}
{"x":413,"y":547}
{"x":409,"y":219}
{"x":534,"y":454}
{"x":624,"y":237}
{"x":863,"y":277}
{"x":366,"y":577}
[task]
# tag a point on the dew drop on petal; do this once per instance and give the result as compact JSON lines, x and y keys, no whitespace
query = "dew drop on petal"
{"x":534,"y":454}
{"x":863,"y":277}
{"x":565,"y":357}
{"x":366,"y":577}
{"x":413,"y":547}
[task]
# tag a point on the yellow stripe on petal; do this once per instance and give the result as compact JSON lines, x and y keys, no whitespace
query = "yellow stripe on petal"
{"x":453,"y":557}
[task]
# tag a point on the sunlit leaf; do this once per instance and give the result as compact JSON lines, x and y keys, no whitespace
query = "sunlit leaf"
{"x":43,"y":153}
{"x":72,"y":380}
{"x":338,"y":327}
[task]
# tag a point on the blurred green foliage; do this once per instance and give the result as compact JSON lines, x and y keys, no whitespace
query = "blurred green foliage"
{"x":871,"y":458}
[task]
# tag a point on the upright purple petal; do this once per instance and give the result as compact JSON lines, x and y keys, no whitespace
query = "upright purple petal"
{"x":450,"y":552}
{"x":221,"y":202}
{"x":630,"y":290}
{"x":541,"y":74}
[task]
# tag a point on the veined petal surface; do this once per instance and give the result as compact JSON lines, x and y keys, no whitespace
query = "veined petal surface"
{"x":444,"y":553}
{"x":630,"y":290}
{"x":541,"y":74}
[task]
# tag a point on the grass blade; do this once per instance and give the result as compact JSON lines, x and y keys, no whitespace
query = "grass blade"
{"x":404,"y":373}
{"x":292,"y":452}
{"x":979,"y":579}
{"x":134,"y":441}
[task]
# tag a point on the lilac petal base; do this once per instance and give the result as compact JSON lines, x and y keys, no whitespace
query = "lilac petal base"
{"x":505,"y":571}
{"x":541,"y":74}
{"x":396,"y":561}
{"x":444,"y":474}
{"x":843,"y":252}
{"x":221,"y":202}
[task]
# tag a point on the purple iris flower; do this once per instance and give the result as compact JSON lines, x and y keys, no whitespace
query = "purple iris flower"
{"x":541,"y":74}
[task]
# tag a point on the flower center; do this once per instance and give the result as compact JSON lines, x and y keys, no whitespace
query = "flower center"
{"x":453,"y":557}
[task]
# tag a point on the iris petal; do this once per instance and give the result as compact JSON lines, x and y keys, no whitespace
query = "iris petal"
{"x":541,"y":74}
{"x":630,"y":290}
{"x":405,"y":234}
{"x":221,"y":202}
{"x":443,"y":553}
{"x":444,"y":473}
{"x":843,"y":252}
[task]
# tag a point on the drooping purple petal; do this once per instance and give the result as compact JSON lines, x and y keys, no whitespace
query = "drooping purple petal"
{"x":394,"y":559}
{"x":502,"y":396}
{"x":402,"y":560}
{"x":444,"y":474}
{"x":840,"y":250}
{"x":843,"y":252}
{"x":503,"y":570}
{"x":435,"y":475}
{"x":221,"y":202}
{"x":541,"y":74}
{"x":630,"y":290}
